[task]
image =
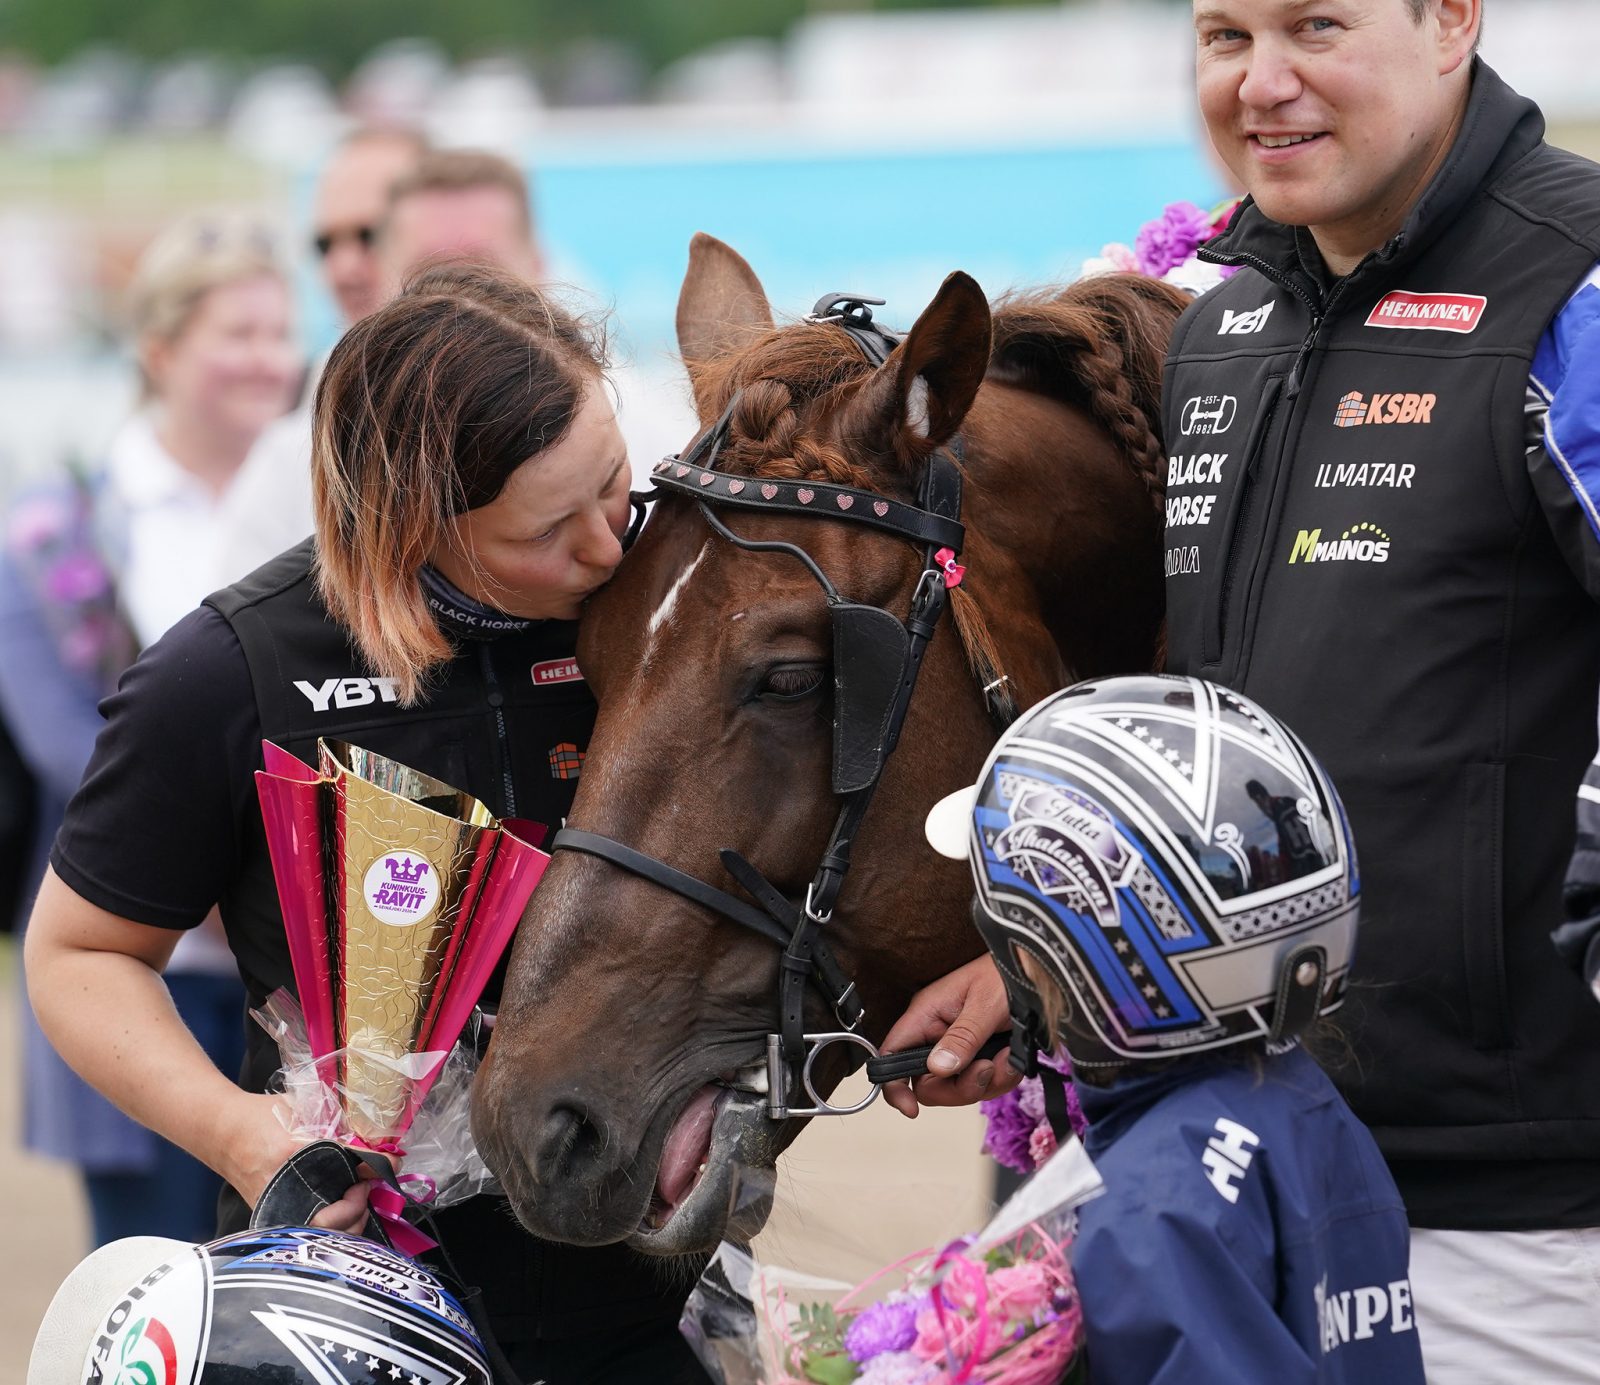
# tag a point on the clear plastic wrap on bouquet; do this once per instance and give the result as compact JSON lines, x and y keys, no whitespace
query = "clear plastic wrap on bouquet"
{"x":440,"y":1164}
{"x":999,"y":1307}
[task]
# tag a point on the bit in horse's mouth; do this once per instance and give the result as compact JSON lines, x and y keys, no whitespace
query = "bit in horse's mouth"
{"x":708,"y":1134}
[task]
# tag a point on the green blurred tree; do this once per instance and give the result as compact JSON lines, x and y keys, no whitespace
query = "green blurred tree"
{"x":337,"y":34}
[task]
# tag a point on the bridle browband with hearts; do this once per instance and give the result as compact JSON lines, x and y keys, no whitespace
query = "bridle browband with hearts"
{"x":877,"y":657}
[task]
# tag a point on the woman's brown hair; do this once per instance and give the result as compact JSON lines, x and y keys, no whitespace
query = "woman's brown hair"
{"x":423,"y":412}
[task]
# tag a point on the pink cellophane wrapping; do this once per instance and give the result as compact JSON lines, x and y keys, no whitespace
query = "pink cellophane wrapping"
{"x":290,"y":811}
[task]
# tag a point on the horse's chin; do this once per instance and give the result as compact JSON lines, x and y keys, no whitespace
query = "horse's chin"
{"x":732,"y":1197}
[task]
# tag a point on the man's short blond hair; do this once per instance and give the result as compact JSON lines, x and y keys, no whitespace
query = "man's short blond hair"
{"x":455,"y":170}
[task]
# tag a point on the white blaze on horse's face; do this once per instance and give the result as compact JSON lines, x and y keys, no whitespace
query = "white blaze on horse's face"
{"x":663,"y":612}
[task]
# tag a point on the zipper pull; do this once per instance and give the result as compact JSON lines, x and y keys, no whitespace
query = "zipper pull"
{"x":1292,"y":389}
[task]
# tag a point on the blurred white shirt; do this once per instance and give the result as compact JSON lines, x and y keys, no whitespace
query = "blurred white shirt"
{"x":180,"y":541}
{"x":176,"y":549}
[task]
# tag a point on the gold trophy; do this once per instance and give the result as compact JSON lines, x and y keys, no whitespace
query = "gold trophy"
{"x":399,"y":895}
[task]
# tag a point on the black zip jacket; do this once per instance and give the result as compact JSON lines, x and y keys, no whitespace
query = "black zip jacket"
{"x":507,"y":720}
{"x":1358,"y":537}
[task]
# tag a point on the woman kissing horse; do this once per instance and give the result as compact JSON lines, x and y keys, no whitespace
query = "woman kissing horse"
{"x":621,"y":1098}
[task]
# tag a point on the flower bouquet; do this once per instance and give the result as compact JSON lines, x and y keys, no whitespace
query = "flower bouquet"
{"x":999,"y":1307}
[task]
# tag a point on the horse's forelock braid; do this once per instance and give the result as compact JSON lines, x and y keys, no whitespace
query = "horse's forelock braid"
{"x":765,"y":418}
{"x":767,"y":440}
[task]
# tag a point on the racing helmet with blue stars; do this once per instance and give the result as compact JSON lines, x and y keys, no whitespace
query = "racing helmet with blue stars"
{"x":291,"y":1306}
{"x":1171,"y":856}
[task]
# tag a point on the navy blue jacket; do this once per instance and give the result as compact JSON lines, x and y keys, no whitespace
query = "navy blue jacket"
{"x":1249,"y":1232}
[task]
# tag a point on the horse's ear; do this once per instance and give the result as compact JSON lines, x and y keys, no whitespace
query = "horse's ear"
{"x":721,"y":307}
{"x":920,"y":398}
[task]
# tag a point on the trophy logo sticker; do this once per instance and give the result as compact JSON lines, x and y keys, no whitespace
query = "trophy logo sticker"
{"x":401,"y":890}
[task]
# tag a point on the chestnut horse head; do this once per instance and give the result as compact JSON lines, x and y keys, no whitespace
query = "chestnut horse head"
{"x":614,"y":1102}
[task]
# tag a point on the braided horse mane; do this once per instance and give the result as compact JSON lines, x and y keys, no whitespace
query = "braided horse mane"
{"x":1098,"y":344}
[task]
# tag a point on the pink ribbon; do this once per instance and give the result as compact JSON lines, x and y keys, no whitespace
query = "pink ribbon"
{"x":388,"y":1204}
{"x":965,"y":1285}
{"x":953,"y":571}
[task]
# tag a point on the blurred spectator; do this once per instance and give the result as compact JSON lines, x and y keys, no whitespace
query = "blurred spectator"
{"x":471,"y":204}
{"x":100,"y":564}
{"x":351,"y":202}
{"x":460,"y":204}
{"x":449,"y":204}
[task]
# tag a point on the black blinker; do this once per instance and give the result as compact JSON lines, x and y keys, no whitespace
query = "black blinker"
{"x":871,"y":649}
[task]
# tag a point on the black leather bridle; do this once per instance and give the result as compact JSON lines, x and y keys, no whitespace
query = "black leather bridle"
{"x":877,"y":657}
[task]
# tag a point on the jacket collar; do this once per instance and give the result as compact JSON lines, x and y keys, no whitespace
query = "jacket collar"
{"x":1499,"y":127}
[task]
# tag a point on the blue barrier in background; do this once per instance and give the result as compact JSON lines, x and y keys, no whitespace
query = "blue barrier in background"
{"x":887,"y":223}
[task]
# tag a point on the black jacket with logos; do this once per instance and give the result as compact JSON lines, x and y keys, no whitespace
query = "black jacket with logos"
{"x":507,"y":720}
{"x":1358,"y":537}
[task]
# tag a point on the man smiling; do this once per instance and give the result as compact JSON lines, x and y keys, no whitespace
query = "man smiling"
{"x":1411,"y":302}
{"x":1391,"y":539}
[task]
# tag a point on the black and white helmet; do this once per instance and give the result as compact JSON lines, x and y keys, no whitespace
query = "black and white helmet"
{"x":292,"y":1306}
{"x":1174,"y":858}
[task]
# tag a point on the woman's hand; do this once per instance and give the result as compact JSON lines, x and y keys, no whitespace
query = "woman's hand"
{"x":959,"y":1012}
{"x":253,"y":1145}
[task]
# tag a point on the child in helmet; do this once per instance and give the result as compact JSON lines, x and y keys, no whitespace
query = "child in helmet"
{"x":1131,"y":892}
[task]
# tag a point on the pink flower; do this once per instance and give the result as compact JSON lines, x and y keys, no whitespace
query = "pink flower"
{"x":1041,"y":1144}
{"x":956,"y":1337}
{"x":77,"y":577}
{"x":1018,"y":1292}
{"x":1121,"y":257}
{"x":1172,"y":238}
{"x":968,"y":1324}
{"x":1223,"y":216}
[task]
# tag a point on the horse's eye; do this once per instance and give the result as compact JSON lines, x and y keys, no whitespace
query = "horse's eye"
{"x":792,"y":682}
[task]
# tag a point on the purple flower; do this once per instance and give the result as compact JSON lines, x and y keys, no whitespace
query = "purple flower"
{"x":77,"y":577}
{"x":1016,"y":1119}
{"x":1030,"y":1096}
{"x":887,"y":1326}
{"x":1010,"y":1129}
{"x":1172,"y":238}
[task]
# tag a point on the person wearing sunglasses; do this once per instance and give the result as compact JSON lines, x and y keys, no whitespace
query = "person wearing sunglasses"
{"x":352,"y":199}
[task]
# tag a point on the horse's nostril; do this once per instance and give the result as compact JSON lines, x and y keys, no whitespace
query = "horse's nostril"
{"x":567,"y":1137}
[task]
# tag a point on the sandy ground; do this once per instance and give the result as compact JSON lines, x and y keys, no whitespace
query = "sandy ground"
{"x":46,"y":1225}
{"x":853,"y":1194}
